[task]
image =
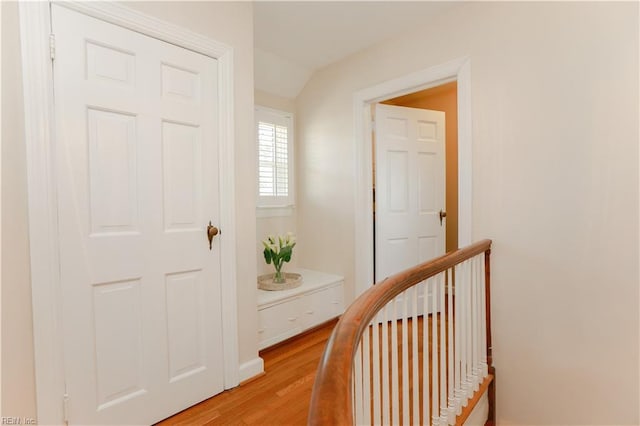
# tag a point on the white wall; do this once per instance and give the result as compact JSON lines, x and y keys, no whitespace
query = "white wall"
{"x":269,"y":100}
{"x":228,"y":22}
{"x":18,"y":383}
{"x":555,"y":184}
{"x":274,"y":74}
{"x":275,"y":225}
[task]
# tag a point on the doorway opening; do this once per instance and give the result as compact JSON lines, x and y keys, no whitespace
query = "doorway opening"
{"x":442,"y":98}
{"x":456,"y":72}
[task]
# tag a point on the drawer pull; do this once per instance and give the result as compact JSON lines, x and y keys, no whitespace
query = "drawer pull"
{"x":335,"y":303}
{"x":261,"y":331}
{"x":292,"y":318}
{"x":310,"y":312}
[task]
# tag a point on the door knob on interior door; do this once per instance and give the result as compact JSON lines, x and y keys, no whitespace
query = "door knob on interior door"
{"x":442,"y":216}
{"x":212,"y":231}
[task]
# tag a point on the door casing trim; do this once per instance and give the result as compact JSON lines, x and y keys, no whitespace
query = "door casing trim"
{"x":456,"y":70}
{"x":39,"y":111}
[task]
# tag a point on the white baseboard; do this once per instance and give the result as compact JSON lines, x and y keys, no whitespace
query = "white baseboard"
{"x":251,"y":369}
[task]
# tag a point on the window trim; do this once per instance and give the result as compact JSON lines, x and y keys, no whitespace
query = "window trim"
{"x":276,"y":205}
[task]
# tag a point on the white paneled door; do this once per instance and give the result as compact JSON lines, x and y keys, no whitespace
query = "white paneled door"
{"x":410,"y":187}
{"x":137,"y":175}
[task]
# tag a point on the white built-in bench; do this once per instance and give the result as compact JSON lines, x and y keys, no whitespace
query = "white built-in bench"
{"x":283,"y":314}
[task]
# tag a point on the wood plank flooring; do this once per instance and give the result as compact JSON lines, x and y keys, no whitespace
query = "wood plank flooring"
{"x":279,"y":397}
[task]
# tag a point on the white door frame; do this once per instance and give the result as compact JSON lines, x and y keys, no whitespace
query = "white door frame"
{"x":35,"y":30}
{"x":457,"y":70}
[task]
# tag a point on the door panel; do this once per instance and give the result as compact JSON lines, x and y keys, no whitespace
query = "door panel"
{"x":117,"y":331}
{"x":185,"y":328}
{"x":410,"y":187}
{"x":137,"y":175}
{"x":182,"y":173}
{"x":112,"y":170}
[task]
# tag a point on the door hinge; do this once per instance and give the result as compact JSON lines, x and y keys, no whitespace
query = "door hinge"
{"x":52,"y":46}
{"x":65,"y":408}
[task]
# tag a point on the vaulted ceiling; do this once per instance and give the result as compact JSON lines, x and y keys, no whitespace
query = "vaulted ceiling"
{"x":293,"y":39}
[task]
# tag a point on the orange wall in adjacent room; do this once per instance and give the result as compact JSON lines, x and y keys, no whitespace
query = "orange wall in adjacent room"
{"x":442,"y":98}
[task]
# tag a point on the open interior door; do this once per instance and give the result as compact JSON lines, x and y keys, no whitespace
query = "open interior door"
{"x":410,"y":187}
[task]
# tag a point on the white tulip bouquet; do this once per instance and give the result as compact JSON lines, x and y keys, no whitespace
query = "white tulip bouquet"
{"x":278,"y":250}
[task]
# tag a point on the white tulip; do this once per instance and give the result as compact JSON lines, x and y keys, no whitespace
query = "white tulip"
{"x":276,"y":244}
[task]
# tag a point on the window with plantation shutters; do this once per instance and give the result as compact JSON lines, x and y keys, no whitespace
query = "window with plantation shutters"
{"x":274,"y":136}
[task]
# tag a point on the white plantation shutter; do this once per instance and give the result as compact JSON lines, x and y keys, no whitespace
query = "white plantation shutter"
{"x":274,"y":134}
{"x":272,"y":155}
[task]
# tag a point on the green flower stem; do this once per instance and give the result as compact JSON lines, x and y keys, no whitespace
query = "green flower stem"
{"x":278,"y":251}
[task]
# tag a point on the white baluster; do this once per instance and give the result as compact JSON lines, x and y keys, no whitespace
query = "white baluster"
{"x":462,"y":282}
{"x":451,"y":401}
{"x":366,"y":378}
{"x":435,"y":405}
{"x":405,"y":361}
{"x":414,"y":358}
{"x":357,"y":386}
{"x":385,"y":366}
{"x":474,"y":326}
{"x":479,"y":322}
{"x":376,"y":370}
{"x":469,"y":331}
{"x":426,"y":415}
{"x":443,"y":350}
{"x":457,"y":343}
{"x":395,"y":378}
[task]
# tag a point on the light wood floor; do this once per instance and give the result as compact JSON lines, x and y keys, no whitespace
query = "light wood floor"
{"x":279,"y":397}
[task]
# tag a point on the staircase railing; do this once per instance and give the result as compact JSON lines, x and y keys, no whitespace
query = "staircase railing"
{"x":413,"y":349}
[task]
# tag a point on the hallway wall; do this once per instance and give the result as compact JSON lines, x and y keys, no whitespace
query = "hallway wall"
{"x":555,"y":113}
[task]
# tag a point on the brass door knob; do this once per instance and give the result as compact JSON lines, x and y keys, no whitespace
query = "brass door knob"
{"x":212,"y":231}
{"x":442,"y":216}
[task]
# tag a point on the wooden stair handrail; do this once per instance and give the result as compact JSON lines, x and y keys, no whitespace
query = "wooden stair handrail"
{"x":331,"y":400}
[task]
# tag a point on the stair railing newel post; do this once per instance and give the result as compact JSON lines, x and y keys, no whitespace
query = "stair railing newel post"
{"x":487,"y":286}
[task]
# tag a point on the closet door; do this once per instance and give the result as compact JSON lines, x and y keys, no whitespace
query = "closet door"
{"x":137,"y":175}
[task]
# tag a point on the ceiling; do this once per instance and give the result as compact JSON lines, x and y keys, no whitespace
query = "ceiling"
{"x":294,"y":38}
